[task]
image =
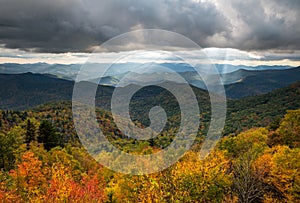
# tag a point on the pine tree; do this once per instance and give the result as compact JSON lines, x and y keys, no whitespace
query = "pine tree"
{"x":48,"y":135}
{"x":30,"y":132}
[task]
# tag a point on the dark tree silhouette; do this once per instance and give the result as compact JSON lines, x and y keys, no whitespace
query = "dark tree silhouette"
{"x":48,"y":135}
{"x":30,"y":133}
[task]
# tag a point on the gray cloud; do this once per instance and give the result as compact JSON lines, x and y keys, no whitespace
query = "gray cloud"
{"x":78,"y":25}
{"x":270,"y":24}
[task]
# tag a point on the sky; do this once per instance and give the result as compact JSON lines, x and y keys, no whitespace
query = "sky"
{"x":256,"y":32}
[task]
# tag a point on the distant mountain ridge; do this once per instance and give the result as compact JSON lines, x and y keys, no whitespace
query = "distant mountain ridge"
{"x":267,"y":76}
{"x":25,"y":91}
{"x":238,"y":84}
{"x":70,"y":71}
{"x":253,"y":83}
{"x":22,"y":91}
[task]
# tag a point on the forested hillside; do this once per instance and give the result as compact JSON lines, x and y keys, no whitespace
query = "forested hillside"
{"x":25,"y":91}
{"x":257,"y":160}
{"x":40,"y":162}
{"x":260,"y":82}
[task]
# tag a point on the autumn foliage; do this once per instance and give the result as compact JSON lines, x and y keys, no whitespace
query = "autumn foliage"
{"x":257,"y":165}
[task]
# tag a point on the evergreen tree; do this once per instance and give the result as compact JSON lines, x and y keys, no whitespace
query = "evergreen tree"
{"x":48,"y":135}
{"x":30,"y":132}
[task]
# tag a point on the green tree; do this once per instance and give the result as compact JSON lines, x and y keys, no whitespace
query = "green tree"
{"x":48,"y":135}
{"x":30,"y":133}
{"x":9,"y":143}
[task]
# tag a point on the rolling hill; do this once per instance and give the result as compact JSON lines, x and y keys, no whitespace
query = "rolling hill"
{"x":250,"y":83}
{"x":23,"y":91}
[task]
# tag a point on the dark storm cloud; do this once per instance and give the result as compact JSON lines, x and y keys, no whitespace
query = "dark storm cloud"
{"x":74,"y":25}
{"x":45,"y":25}
{"x":78,"y":25}
{"x":269,"y":24}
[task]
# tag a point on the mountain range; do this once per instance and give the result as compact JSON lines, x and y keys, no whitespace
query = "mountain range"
{"x":25,"y":90}
{"x":28,"y":90}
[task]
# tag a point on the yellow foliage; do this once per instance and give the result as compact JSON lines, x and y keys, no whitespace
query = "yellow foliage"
{"x":189,"y":180}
